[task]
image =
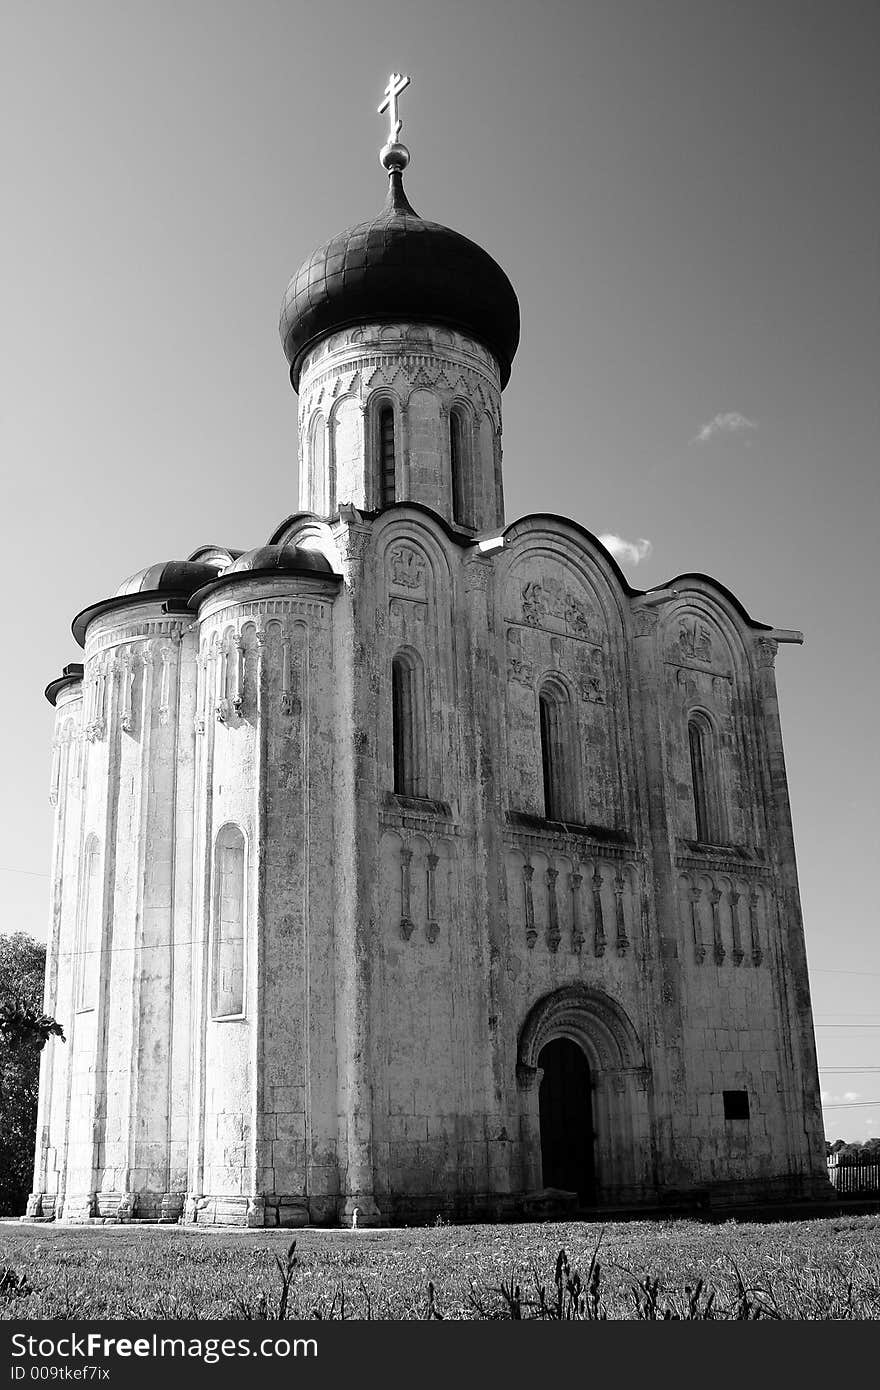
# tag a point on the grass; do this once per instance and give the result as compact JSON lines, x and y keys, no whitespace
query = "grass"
{"x":827,"y":1268}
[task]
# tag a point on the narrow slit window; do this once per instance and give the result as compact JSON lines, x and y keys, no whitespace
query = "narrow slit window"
{"x":407,"y":725}
{"x":697,"y":743}
{"x":229,"y":923}
{"x":456,"y":464}
{"x":317,"y":464}
{"x":90,"y":929}
{"x":552,"y":754}
{"x":387,"y":459}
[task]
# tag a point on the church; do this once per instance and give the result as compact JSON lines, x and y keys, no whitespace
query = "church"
{"x":412,"y":863}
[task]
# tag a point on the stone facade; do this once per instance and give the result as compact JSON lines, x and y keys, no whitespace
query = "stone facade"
{"x":341,"y":848}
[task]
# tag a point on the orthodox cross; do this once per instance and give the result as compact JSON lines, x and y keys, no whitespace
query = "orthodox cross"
{"x":397,"y":83}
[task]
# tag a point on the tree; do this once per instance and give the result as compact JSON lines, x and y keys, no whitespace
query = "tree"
{"x":22,"y":1027}
{"x":24,"y":1031}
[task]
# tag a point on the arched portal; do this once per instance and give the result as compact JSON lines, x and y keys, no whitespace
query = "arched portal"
{"x":566,"y":1115}
{"x":584,"y":1094}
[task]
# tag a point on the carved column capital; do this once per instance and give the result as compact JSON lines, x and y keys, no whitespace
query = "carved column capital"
{"x":765,"y":650}
{"x":528,"y":1078}
{"x":645,"y":621}
{"x":477,"y":575}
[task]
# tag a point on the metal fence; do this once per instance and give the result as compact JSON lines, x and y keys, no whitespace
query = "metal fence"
{"x":854,"y":1177}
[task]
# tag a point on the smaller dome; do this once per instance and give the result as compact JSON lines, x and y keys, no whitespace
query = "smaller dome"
{"x":176,"y":579}
{"x":71,"y":675}
{"x":280,"y":557}
{"x":215,"y":555}
{"x":170,"y":576}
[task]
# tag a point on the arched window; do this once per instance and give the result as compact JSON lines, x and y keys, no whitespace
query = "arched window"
{"x":387,"y":456}
{"x":457,"y":465}
{"x":317,"y":463}
{"x":700,"y":745}
{"x":227,"y":995}
{"x":408,"y":724}
{"x":553,"y":720}
{"x":90,"y":924}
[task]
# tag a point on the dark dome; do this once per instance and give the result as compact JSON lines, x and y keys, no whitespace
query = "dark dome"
{"x":281,"y":557}
{"x":167,"y":581}
{"x":171,"y":576}
{"x":400,"y":267}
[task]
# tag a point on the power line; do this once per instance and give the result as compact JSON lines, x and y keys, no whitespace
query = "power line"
{"x":31,"y":873}
{"x":848,"y":1104}
{"x":848,"y":1069}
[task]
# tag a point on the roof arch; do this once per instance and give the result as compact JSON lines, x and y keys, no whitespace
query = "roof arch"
{"x":550,"y":521}
{"x":695,"y":582}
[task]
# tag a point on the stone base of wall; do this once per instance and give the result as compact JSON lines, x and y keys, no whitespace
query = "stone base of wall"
{"x":286,"y":1211}
{"x":392,"y":1209}
{"x":794,"y":1187}
{"x":79,"y":1207}
{"x":102,"y":1208}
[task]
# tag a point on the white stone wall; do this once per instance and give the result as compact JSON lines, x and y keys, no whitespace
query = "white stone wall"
{"x":539,"y":909}
{"x":264,"y":1132}
{"x":65,"y":795}
{"x":402,"y":959}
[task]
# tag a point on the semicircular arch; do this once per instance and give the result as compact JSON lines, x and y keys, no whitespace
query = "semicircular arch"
{"x":588,"y":1017}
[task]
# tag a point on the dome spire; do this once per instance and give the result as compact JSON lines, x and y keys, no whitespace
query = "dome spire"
{"x":394,"y":156}
{"x":399,"y":267}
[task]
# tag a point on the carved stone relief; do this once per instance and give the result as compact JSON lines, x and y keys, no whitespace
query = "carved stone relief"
{"x":694,"y":640}
{"x":534,"y":608}
{"x":407,"y":568}
{"x":518,"y":668}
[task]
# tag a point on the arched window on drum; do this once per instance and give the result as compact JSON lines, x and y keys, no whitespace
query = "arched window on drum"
{"x":386,"y":439}
{"x":460,"y":467}
{"x":317,"y":464}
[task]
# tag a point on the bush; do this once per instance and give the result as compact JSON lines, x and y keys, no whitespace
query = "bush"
{"x":23,"y":1032}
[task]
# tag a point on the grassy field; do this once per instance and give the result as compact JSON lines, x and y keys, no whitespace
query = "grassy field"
{"x":828,"y":1268}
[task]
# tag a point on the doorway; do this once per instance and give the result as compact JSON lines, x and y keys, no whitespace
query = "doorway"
{"x":566,"y":1118}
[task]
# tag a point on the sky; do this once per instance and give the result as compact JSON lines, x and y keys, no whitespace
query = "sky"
{"x":685,"y":197}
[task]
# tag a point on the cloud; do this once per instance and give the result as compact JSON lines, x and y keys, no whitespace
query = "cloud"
{"x":731,"y":423}
{"x":632,"y":552}
{"x":829,"y":1098}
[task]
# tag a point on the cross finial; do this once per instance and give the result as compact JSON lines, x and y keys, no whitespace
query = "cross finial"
{"x":397,"y":83}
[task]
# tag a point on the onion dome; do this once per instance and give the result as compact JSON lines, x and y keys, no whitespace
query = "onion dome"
{"x":399,"y":267}
{"x":280,"y":557}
